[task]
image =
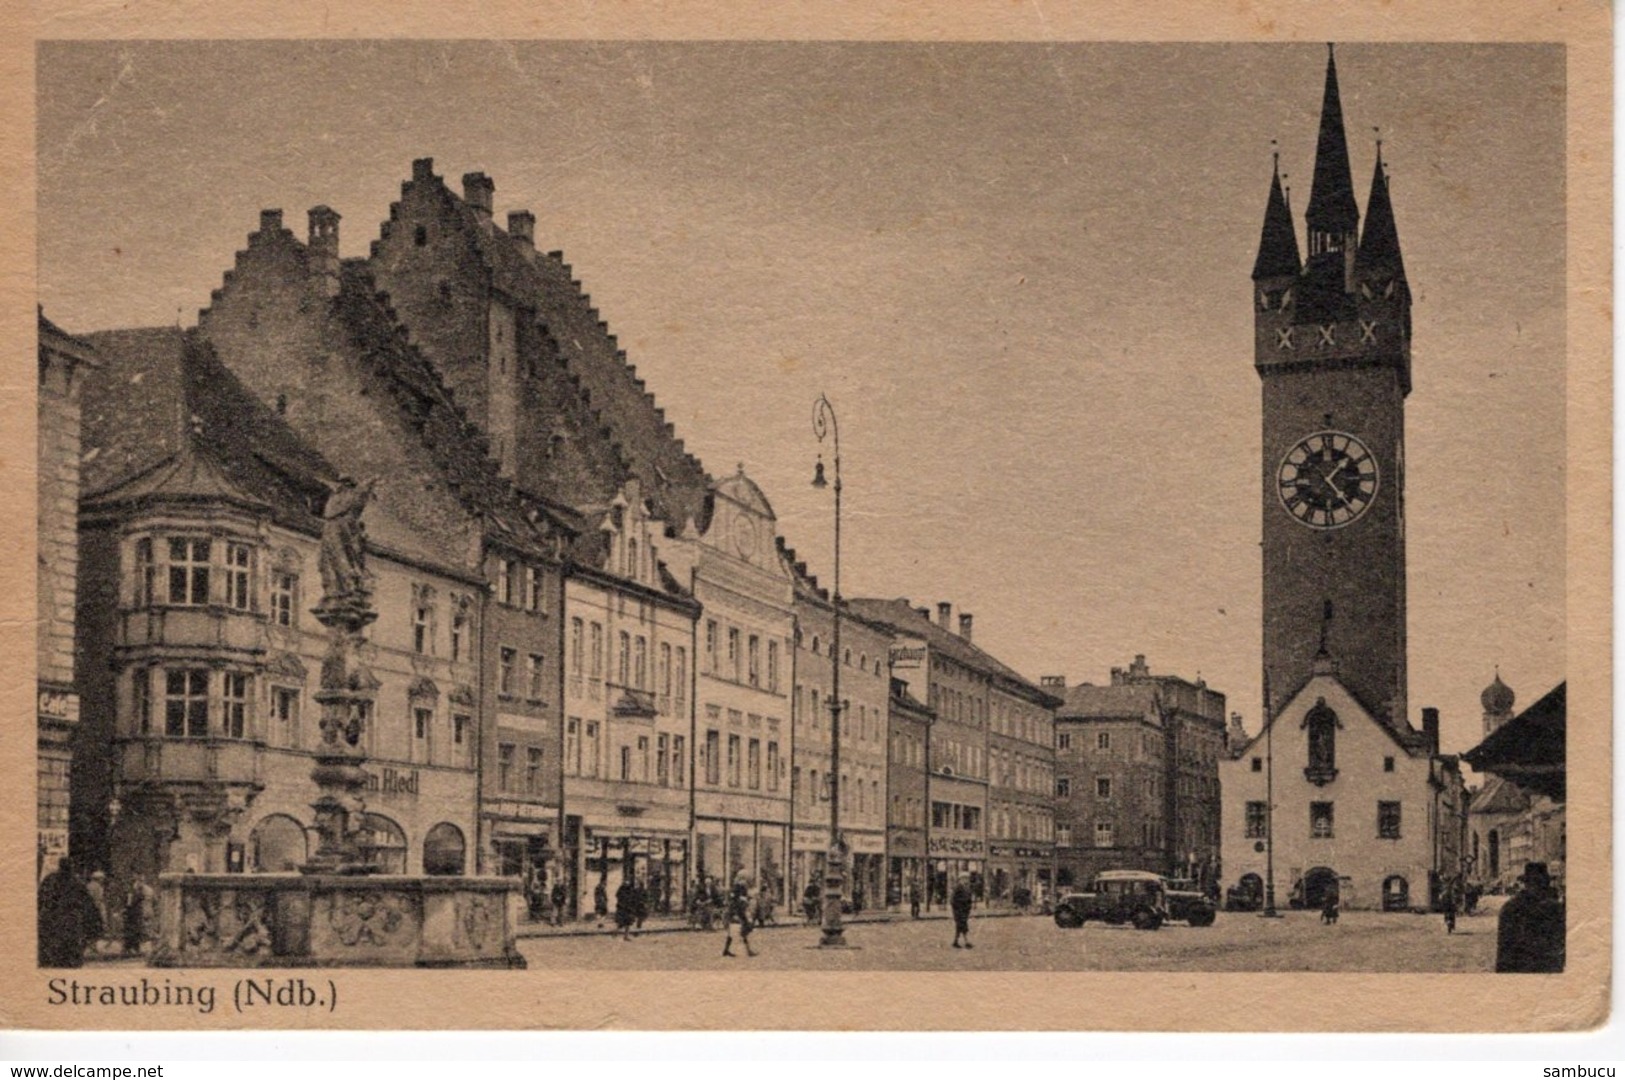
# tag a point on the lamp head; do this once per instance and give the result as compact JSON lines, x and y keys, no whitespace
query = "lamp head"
{"x":818,"y":474}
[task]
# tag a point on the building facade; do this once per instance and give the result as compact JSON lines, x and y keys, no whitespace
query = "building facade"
{"x":64,"y":363}
{"x":1021,"y":788}
{"x":862,"y":784}
{"x":908,"y":821}
{"x":629,"y":710}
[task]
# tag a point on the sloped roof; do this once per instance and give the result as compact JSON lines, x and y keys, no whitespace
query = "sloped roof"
{"x":1531,"y":748}
{"x":1331,"y":196}
{"x":1278,"y":243}
{"x":1379,"y":242}
{"x":901,"y":617}
{"x":1498,"y":796}
{"x":163,"y":418}
{"x":1086,"y":701}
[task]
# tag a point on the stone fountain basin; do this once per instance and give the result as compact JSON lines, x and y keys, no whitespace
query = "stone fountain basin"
{"x":335,"y":920}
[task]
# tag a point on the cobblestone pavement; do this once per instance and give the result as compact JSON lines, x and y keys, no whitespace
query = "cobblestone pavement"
{"x":1360,"y":941}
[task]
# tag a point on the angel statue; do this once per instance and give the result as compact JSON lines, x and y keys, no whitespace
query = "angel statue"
{"x":343,"y":561}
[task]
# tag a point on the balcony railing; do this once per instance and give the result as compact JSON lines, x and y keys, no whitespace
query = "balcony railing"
{"x":630,"y":701}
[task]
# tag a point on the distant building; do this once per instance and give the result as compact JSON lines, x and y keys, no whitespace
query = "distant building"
{"x":64,"y":364}
{"x":1518,"y":815}
{"x":1137,"y":782}
{"x":907,"y":812}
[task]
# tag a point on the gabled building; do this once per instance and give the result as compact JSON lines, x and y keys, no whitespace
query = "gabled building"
{"x":908,"y":805}
{"x":313,"y":338}
{"x":1518,"y":815}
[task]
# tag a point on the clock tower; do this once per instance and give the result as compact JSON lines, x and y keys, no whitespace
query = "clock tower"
{"x":1332,"y":347}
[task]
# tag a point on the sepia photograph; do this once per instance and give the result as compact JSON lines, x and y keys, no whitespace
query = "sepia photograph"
{"x":732,"y":507}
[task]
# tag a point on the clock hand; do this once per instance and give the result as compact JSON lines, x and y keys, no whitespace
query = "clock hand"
{"x":1342,"y":498}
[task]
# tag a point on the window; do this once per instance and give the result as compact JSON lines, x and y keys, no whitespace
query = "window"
{"x":626,"y":763}
{"x":1257,"y":820}
{"x":733,"y":761}
{"x":632,"y":565}
{"x":505,"y":767}
{"x":682,"y":678}
{"x":1063,"y":741}
{"x":508,"y":579}
{"x":577,"y":633}
{"x":1103,"y":787}
{"x":1320,"y":820}
{"x":755,"y":668}
{"x":284,"y":715}
{"x":145,"y":572}
{"x":1322,"y":724}
{"x":662,"y":760}
{"x":141,"y":699}
{"x":597,"y":653}
{"x":755,"y":765}
{"x":533,"y":676}
{"x":589,"y":750}
{"x":773,"y":766}
{"x":679,"y":768}
{"x":533,"y":770}
{"x":773,"y":666}
{"x":1063,"y":836}
{"x":665,"y":678}
{"x":422,"y":722}
{"x":461,"y":726}
{"x":1387,"y":764}
{"x":710,"y":645}
{"x":733,"y":653}
{"x":713,"y":757}
{"x":283,"y":587}
{"x":189,"y":572}
{"x":1103,"y":740}
{"x":640,"y":663}
{"x":234,"y":702}
{"x":420,"y":237}
{"x":1103,"y":834}
{"x":186,"y":703}
{"x":643,"y":759}
{"x":422,"y":634}
{"x":459,"y":637}
{"x":1063,"y":787}
{"x":1258,"y":764}
{"x":239,"y":558}
{"x":509,"y":659}
{"x":623,"y":659}
{"x":533,"y":589}
{"x":1388,"y":820}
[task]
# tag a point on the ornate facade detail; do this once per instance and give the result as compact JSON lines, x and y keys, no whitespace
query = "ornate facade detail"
{"x":367,"y":918}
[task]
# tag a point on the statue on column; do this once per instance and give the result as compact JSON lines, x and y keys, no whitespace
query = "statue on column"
{"x":343,"y":563}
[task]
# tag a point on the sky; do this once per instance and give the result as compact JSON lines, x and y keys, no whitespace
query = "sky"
{"x":1021,"y":273}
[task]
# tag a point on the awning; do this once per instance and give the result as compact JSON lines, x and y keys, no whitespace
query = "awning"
{"x":1530,"y":749}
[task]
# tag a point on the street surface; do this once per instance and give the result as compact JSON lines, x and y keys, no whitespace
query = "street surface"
{"x":1360,"y":941}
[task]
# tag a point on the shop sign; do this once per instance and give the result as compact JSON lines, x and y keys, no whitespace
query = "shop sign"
{"x":1010,"y":851}
{"x":955,"y":845}
{"x":866,"y":843}
{"x":908,"y":654}
{"x":58,"y":705}
{"x":402,"y":782}
{"x":811,"y":838}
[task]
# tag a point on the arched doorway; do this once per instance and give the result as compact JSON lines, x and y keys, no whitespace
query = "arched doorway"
{"x":1396,"y":893}
{"x":382,"y":843}
{"x":277,"y":845}
{"x":444,"y":850}
{"x":1319,"y":885}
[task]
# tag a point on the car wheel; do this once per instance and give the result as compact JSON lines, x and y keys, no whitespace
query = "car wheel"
{"x":1147,"y":920}
{"x":1067,"y":919}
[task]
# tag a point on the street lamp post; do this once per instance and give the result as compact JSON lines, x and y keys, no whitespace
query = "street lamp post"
{"x":832,"y":934}
{"x":1269,"y":805}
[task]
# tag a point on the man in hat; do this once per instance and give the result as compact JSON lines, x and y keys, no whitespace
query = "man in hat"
{"x":960,"y":902}
{"x":1529,"y":937}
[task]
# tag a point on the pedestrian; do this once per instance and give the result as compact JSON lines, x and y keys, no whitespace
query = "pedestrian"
{"x":960,"y":902}
{"x":1448,"y":903}
{"x":809,"y":902}
{"x":97,"y":887}
{"x":600,"y":901}
{"x":641,"y":896}
{"x":1529,"y":937}
{"x":138,"y":910}
{"x":68,"y":921}
{"x":738,"y":913}
{"x":914,"y":899}
{"x":560,"y":895}
{"x":626,"y":908}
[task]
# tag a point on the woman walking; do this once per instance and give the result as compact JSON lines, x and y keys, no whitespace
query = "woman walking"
{"x":738,"y":913}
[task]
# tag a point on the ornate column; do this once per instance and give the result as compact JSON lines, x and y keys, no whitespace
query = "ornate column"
{"x":348,"y":687}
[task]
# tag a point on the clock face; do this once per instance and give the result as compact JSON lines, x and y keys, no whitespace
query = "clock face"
{"x":744,"y":534}
{"x":1328,"y":480}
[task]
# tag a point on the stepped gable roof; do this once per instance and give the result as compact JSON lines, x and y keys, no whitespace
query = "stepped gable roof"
{"x":899,"y":615}
{"x":675,"y":480}
{"x":809,"y":591}
{"x":459,"y":450}
{"x":163,"y":418}
{"x":1086,"y":701}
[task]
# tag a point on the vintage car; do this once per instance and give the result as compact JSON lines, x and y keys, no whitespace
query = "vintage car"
{"x":1136,"y":897}
{"x":1187,"y":903}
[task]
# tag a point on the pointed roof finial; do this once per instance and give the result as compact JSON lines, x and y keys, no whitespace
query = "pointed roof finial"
{"x":1379,"y":242}
{"x":1332,"y":208}
{"x":1278,"y":244}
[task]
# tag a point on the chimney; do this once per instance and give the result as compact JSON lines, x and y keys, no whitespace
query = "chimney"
{"x":964,"y":625}
{"x":522,"y":226}
{"x":1139,"y":669}
{"x":477,"y":191}
{"x":945,"y":612}
{"x":924,"y":613}
{"x":1430,"y":729}
{"x":423,"y":169}
{"x":324,"y":248}
{"x":270,"y":221}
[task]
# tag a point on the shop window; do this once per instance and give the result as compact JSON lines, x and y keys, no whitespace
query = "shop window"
{"x":444,"y":851}
{"x":277,"y":845}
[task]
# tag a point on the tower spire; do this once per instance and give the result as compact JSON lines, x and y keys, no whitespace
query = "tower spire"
{"x":1333,"y":216}
{"x":1278,"y":246}
{"x":1379,"y":243}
